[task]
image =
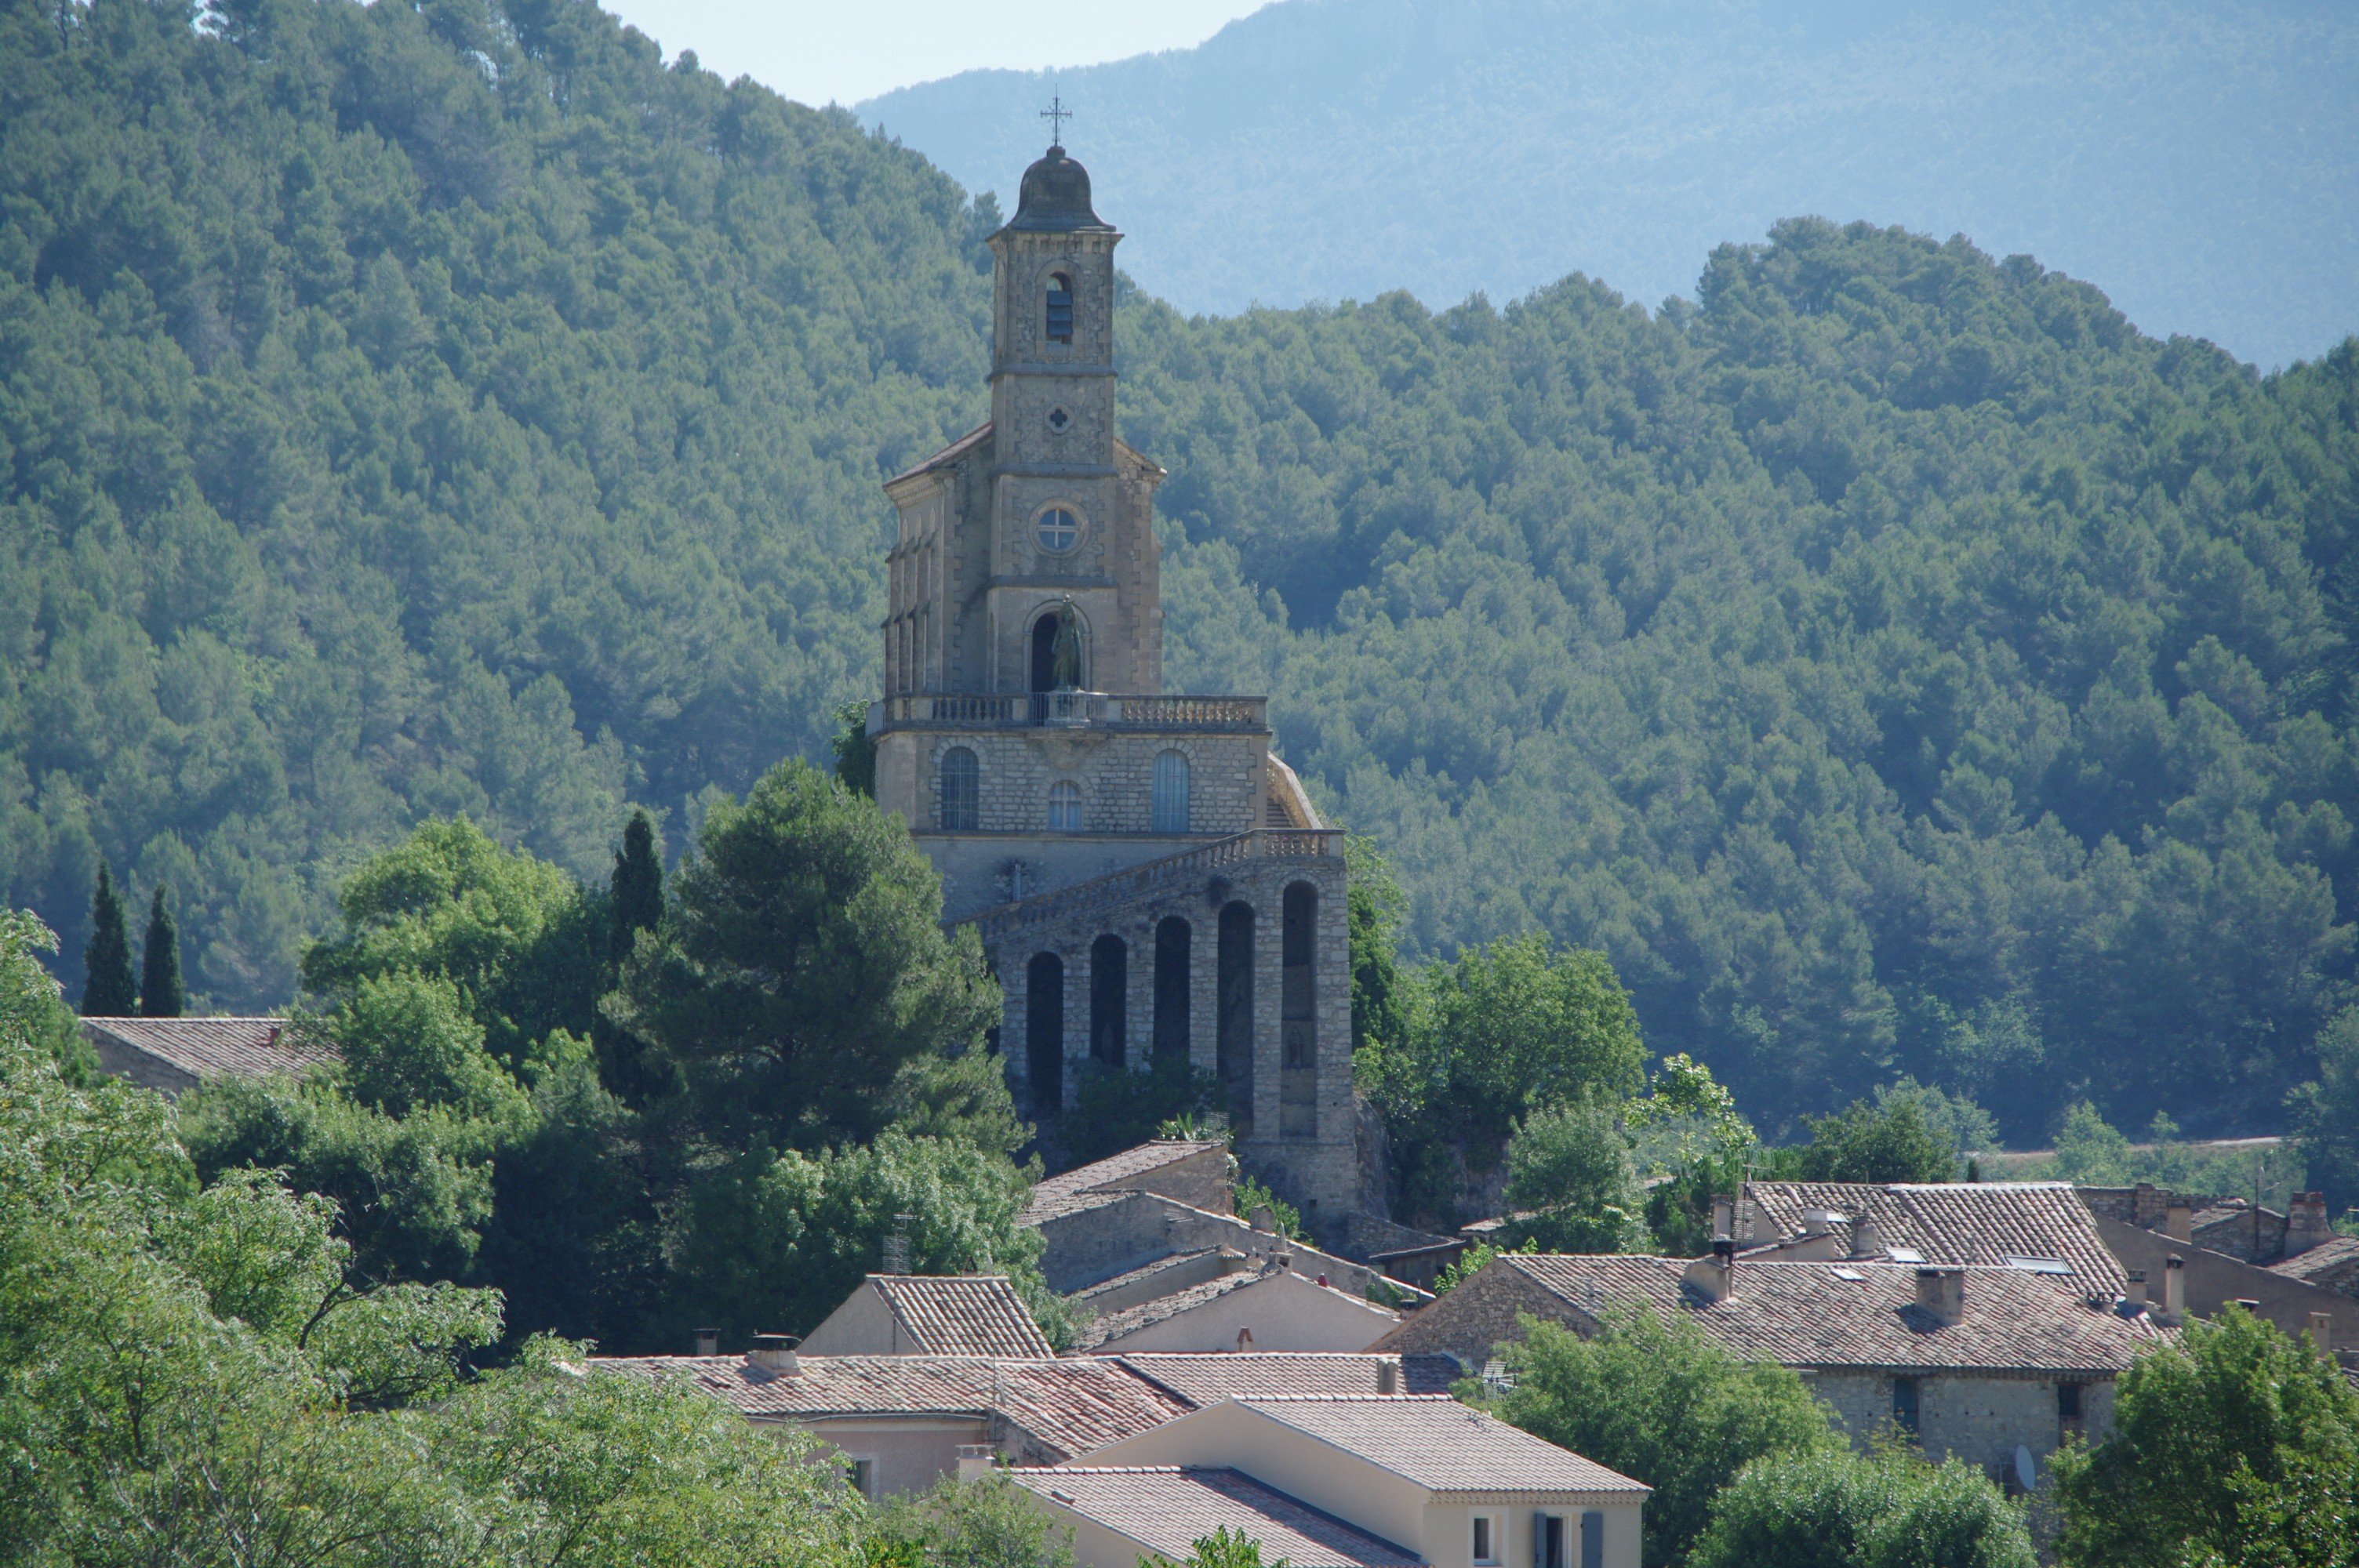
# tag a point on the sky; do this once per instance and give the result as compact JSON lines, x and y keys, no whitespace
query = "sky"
{"x":822,"y":51}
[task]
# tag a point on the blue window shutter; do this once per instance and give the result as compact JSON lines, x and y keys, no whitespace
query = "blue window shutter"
{"x":1593,"y":1540}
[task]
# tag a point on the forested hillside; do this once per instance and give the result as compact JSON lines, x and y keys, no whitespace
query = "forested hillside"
{"x":2198,"y":157}
{"x":1893,"y":660}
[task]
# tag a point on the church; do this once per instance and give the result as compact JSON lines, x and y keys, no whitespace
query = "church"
{"x":1149,"y":879}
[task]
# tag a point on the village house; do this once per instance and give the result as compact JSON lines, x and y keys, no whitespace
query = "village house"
{"x":173,"y":1055}
{"x":2040,"y":1227}
{"x":1972,"y":1362}
{"x":1345,"y":1482}
{"x":928,"y":1315}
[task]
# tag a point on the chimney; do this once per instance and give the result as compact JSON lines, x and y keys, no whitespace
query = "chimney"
{"x":1943,"y":1293}
{"x":897,"y":1245}
{"x":1715,"y":1276}
{"x":2174,"y":1287}
{"x":775,"y":1353}
{"x":708,"y":1342}
{"x":2134,"y":1295}
{"x":974,"y":1461}
{"x":2306,"y":1223}
{"x":1388,"y":1369}
{"x":1261,"y":1218}
{"x":2178,"y":1220}
{"x":1723,"y":1217}
{"x":2146,"y":1205}
{"x":2321,"y":1332}
{"x":1817,"y":1221}
{"x":1864,"y":1242}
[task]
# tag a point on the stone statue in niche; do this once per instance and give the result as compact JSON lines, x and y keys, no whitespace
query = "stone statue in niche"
{"x":1065,"y":653}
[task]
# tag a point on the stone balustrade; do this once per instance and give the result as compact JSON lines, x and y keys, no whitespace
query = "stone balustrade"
{"x":1051,"y":709}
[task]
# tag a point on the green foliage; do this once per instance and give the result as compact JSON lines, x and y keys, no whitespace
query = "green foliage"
{"x":775,"y":1242}
{"x":160,"y":993}
{"x":1662,"y":1403}
{"x":989,"y":1523}
{"x":2089,"y":1149}
{"x":1686,"y":1129}
{"x":32,"y":1007}
{"x":855,"y":752}
{"x":1376,"y":903}
{"x":2326,"y":1113}
{"x":1115,"y":1109}
{"x":1571,"y":1182}
{"x":634,"y":899}
{"x":516,"y":939}
{"x":803,"y":966}
{"x":107,"y":989}
{"x":1833,"y":1509}
{"x":1224,"y":1547}
{"x":408,"y":1042}
{"x":1867,"y":1141}
{"x":1251,"y":1192}
{"x":2213,"y":1435}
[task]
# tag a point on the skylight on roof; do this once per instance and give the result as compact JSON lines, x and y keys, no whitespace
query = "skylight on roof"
{"x":1907,"y":1255}
{"x":1851,"y":1274}
{"x":2040,"y":1265}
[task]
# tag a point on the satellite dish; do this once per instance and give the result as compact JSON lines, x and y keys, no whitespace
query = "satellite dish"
{"x":2026,"y":1471}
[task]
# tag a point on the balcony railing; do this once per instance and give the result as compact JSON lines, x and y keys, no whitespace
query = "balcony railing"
{"x":1117,"y":888}
{"x":1075,"y":709}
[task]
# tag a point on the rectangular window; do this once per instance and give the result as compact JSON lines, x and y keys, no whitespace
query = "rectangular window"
{"x":1548,"y":1541}
{"x":2067,"y":1403}
{"x":1904,"y":1404}
{"x":862,"y":1473}
{"x":1486,"y":1545}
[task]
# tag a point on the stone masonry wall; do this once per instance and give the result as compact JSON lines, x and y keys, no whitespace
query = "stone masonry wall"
{"x":1980,"y":1420}
{"x":1115,"y":772}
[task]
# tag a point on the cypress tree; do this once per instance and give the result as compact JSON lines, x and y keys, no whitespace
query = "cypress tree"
{"x":637,"y":887}
{"x":107,"y":989}
{"x":160,"y":977}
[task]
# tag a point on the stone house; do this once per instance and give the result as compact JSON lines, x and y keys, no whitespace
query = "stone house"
{"x":2037,"y":1227}
{"x":1349,"y":1481}
{"x":172,"y":1056}
{"x":1270,"y":1308}
{"x":1148,"y":878}
{"x":930,"y":1315}
{"x":1972,"y":1361}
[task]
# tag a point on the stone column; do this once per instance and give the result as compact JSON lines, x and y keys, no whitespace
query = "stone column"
{"x":1138,"y":1027}
{"x":1076,"y":1015}
{"x":1015,"y":1016}
{"x":1204,"y":989}
{"x":1270,"y":1005}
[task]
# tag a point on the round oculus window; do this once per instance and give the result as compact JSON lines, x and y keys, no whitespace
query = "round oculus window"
{"x":1058,"y":418}
{"x":1059,"y":530}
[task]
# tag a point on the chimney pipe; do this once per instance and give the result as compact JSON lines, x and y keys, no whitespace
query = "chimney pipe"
{"x":1816,"y":1222}
{"x":1261,"y":1218}
{"x":2178,"y":1221}
{"x":1943,"y":1293}
{"x":1723,"y":1217}
{"x":775,"y":1353}
{"x":708,"y":1342}
{"x":2306,"y":1223}
{"x":974,"y":1461}
{"x":2134,"y":1295}
{"x":2321,"y":1332}
{"x":1389,"y":1370}
{"x":1864,"y":1242}
{"x":2174,"y":1287}
{"x":1244,"y":1340}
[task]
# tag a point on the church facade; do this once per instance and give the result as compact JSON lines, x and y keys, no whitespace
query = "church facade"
{"x":1149,"y":879}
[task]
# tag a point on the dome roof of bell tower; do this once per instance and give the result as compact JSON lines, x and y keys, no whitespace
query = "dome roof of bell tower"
{"x":1056,"y":197}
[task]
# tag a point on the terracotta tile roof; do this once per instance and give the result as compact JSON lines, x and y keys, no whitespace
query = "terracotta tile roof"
{"x":947,"y":456}
{"x":1812,"y":1315}
{"x":1957,"y":1222}
{"x":1441,"y":1444}
{"x":1103,"y":1180}
{"x":1166,"y":1508}
{"x":2327,"y":1259}
{"x":1145,"y":1272}
{"x":1162,"y":1309}
{"x":1207,"y":1379}
{"x":961,"y":1314}
{"x":215,"y":1047}
{"x":1071,"y":1405}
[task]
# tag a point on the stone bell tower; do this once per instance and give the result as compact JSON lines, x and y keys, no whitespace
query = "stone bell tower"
{"x":1149,"y":879}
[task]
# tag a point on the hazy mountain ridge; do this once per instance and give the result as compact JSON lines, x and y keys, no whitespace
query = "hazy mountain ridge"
{"x":2200,"y":163}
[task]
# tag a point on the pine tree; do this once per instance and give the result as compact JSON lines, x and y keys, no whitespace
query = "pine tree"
{"x":637,"y":886}
{"x":107,"y":989}
{"x":161,"y":995}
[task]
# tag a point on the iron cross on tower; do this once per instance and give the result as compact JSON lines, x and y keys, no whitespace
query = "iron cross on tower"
{"x":1055,"y":113}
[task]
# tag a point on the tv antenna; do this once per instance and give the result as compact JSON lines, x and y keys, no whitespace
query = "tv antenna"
{"x":1055,"y":113}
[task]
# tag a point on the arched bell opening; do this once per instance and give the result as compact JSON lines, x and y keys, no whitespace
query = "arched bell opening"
{"x":1044,"y":1031}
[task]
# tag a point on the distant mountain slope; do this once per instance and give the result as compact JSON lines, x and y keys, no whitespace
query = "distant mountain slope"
{"x":2198,"y":159}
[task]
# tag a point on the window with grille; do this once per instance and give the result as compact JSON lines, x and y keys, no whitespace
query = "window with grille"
{"x":1064,"y":807}
{"x":1169,"y":811}
{"x":1060,"y":309}
{"x":961,"y":792}
{"x":1060,"y":530}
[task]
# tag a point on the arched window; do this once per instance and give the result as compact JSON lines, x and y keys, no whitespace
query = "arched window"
{"x":1060,"y":309}
{"x":1169,"y":809}
{"x":961,"y":792}
{"x":1064,"y":806}
{"x":1044,"y":1030}
{"x":1173,"y":942}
